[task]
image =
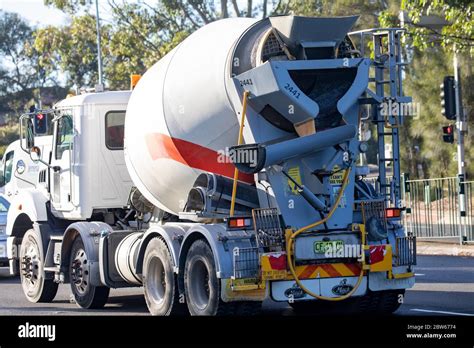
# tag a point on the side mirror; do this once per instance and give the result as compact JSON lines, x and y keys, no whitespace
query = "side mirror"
{"x":27,"y":133}
{"x":30,"y":134}
{"x":35,"y":154}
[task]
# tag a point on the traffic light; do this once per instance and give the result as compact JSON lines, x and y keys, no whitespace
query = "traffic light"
{"x":448,"y":134}
{"x":40,"y":121}
{"x":41,"y":124}
{"x":448,"y":98}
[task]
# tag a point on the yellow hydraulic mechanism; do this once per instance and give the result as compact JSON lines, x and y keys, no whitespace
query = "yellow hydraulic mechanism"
{"x":291,"y":239}
{"x":239,"y":142}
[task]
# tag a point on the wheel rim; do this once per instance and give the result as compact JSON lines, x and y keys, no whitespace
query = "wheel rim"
{"x":80,"y":271}
{"x":30,"y":266}
{"x":156,"y":282}
{"x":200,"y":284}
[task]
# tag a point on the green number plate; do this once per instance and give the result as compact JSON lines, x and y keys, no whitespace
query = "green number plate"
{"x":321,"y":247}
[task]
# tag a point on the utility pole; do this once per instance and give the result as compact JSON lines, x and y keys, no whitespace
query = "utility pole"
{"x":461,"y":128}
{"x":100,"y":86}
{"x":461,"y":124}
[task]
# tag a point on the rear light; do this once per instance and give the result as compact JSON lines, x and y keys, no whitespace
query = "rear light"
{"x":392,"y":212}
{"x":239,"y":222}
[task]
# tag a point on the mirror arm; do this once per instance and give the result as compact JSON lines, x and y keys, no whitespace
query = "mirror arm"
{"x":54,"y":168}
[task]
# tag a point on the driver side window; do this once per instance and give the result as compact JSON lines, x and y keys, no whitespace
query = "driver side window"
{"x":64,"y":136}
{"x":7,"y":174}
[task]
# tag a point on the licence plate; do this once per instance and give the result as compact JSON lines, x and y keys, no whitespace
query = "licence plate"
{"x":320,"y":247}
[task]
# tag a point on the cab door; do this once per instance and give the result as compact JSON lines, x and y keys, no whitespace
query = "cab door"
{"x":7,"y":173}
{"x":62,"y":163}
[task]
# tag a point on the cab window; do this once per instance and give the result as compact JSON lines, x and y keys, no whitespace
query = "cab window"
{"x":4,"y":205}
{"x":114,"y":130}
{"x":64,"y":137}
{"x":7,"y":172}
{"x":2,"y":174}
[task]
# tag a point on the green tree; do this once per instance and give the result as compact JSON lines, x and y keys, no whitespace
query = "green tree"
{"x":431,"y":51}
{"x":20,"y":71}
{"x":459,"y":28}
{"x":73,"y":49}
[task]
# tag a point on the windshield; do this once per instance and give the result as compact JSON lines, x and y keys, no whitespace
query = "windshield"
{"x":4,"y":205}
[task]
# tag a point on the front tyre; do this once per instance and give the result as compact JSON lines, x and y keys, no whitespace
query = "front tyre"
{"x":33,"y":279}
{"x":85,"y":294}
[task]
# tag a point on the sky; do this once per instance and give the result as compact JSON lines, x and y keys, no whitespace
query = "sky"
{"x":34,"y":11}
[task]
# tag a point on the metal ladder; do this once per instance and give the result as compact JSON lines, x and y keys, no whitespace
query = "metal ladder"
{"x":388,"y":64}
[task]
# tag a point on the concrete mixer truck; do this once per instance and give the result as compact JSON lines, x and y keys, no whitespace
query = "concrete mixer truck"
{"x":230,"y":174}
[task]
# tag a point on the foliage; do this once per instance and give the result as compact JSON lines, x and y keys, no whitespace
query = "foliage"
{"x":20,"y":71}
{"x":8,"y":134}
{"x":458,"y":30}
{"x":73,"y":49}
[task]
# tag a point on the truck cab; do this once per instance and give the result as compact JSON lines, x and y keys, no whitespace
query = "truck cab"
{"x":80,"y":169}
{"x":88,"y":174}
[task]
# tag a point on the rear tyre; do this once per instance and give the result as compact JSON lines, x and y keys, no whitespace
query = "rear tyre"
{"x":390,"y":301}
{"x":202,"y":287}
{"x":33,"y":279}
{"x":85,"y":294}
{"x":159,"y":281}
{"x":381,"y":302}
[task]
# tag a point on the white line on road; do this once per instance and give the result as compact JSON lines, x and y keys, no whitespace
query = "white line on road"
{"x":442,"y":312}
{"x":419,"y":274}
{"x":444,"y":287}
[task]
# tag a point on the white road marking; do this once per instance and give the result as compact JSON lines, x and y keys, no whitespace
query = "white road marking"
{"x":442,"y":312}
{"x":419,"y":274}
{"x":444,"y":287}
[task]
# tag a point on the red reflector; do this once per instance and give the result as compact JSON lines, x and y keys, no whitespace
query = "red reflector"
{"x":392,"y":212}
{"x":278,"y":262}
{"x":377,"y":253}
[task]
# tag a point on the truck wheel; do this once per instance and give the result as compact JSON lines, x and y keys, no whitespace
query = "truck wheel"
{"x":380,"y":302}
{"x":33,"y":280}
{"x":85,"y":294}
{"x":159,"y":283}
{"x":390,"y":301}
{"x":201,"y":285}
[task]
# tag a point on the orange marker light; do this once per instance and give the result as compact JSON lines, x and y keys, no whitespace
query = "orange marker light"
{"x":134,"y":80}
{"x":392,"y":212}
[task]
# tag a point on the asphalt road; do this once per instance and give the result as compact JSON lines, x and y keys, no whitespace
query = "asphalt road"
{"x":445,"y":286}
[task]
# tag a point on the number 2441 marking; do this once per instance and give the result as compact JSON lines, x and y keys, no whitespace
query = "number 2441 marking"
{"x":292,"y":90}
